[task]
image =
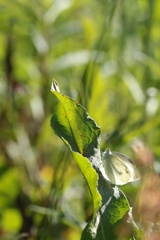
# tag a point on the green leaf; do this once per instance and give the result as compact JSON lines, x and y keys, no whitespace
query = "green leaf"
{"x":71,"y":121}
{"x":91,"y":177}
{"x":114,"y":206}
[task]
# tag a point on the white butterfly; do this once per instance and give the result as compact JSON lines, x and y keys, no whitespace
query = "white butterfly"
{"x":118,"y":168}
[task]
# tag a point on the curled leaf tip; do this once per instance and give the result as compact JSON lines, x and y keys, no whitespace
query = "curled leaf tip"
{"x":55,"y":86}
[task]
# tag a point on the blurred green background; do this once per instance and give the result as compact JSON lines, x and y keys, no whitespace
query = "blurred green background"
{"x":106,"y":55}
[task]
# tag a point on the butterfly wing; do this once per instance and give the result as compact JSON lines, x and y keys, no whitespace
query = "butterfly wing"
{"x":119,"y":168}
{"x":135,"y":174}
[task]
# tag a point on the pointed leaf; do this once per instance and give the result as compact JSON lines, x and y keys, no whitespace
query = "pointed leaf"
{"x":71,"y":121}
{"x":91,"y":177}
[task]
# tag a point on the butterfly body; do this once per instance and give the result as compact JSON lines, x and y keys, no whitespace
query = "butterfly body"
{"x":119,"y":168}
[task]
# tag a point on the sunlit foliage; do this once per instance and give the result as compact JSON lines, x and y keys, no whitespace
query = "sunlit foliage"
{"x":106,"y":55}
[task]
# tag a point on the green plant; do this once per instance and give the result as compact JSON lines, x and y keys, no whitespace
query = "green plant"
{"x":81,"y":134}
